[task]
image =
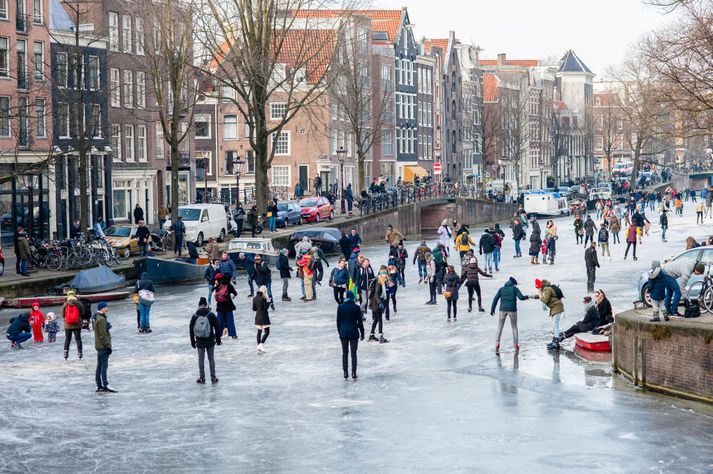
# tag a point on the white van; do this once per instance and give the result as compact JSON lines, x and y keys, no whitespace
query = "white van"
{"x":542,"y":203}
{"x":202,"y":222}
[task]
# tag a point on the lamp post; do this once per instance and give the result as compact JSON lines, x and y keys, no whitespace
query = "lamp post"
{"x":341,"y":153}
{"x":238,"y":169}
{"x":204,"y":164}
{"x":30,"y":184}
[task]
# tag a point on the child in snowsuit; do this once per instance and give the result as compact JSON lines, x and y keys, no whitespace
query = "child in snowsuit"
{"x":37,"y":321}
{"x":52,"y":327}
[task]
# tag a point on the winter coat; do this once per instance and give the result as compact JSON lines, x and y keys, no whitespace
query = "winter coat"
{"x":37,"y":319}
{"x":364,"y":277}
{"x":339,"y":277}
{"x":215,"y":332}
{"x":508,"y":296}
{"x":590,"y":258}
{"x":102,"y":336}
{"x":589,"y":226}
{"x":638,"y":219}
{"x":420,"y":253}
{"x":399,"y":256}
{"x":535,"y":243}
{"x":263,"y":274}
{"x":603,"y":235}
{"x":19,"y":324}
{"x":631,"y":234}
{"x":356,"y":241}
{"x":431,"y":270}
{"x":614,"y":225}
{"x":178,"y":228}
{"x":249,"y":263}
{"x":444,"y":235}
{"x":394,"y":237}
{"x":377,"y":296}
{"x":353,"y":265}
{"x":23,"y":248}
{"x":517,"y":231}
{"x":225,"y":306}
{"x":681,"y":270}
{"x":591,"y":318}
{"x":463,"y":242}
{"x":349,"y":321}
{"x":469,"y":275}
{"x":144,"y":283}
{"x":452,"y":282}
{"x":142,"y":234}
{"x":663,"y":220}
{"x":71,"y":301}
{"x":606,"y":315}
{"x":260,"y":306}
{"x":345,"y":245}
{"x":283,"y":265}
{"x":486,"y":244}
{"x":549,"y":299}
{"x":209,"y":275}
{"x":227,"y":267}
{"x":578,"y":226}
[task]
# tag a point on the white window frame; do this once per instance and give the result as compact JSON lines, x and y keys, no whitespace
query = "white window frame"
{"x":205,"y":118}
{"x":128,"y":88}
{"x":160,"y":147}
{"x":116,"y":142}
{"x":141,"y":89}
{"x":6,"y":118}
{"x":37,"y":12}
{"x":115,"y":87}
{"x":277,"y":145}
{"x":114,"y":31}
{"x":142,"y":143}
{"x":390,"y":142}
{"x":129,"y":139}
{"x":287,"y":170}
{"x":94,"y":74}
{"x":40,"y":118}
{"x":3,"y":9}
{"x":39,"y":73}
{"x":139,"y":32}
{"x":6,"y":71}
{"x":226,"y":124}
{"x":126,"y":34}
{"x":275,"y":108}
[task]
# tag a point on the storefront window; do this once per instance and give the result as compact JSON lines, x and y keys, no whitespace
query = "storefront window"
{"x":119,"y":202}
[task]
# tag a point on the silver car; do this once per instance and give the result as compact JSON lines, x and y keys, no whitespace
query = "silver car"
{"x":699,"y":254}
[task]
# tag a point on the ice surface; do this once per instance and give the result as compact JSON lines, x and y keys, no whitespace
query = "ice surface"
{"x":435,"y":399}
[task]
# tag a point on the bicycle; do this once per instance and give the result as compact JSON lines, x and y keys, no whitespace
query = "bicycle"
{"x":702,"y":287}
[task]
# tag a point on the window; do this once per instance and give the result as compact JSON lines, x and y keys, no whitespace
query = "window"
{"x":113,"y":31}
{"x":116,"y":141}
{"x":128,"y":89}
{"x":246,"y":130}
{"x":126,"y":33}
{"x":230,"y":127}
{"x":280,"y":175}
{"x":63,"y":120}
{"x":398,"y":140}
{"x":95,"y":121}
{"x":23,"y":119}
{"x":159,"y":142}
{"x":39,"y":50}
{"x":250,"y":159}
{"x":281,"y":143}
{"x":129,"y":142}
{"x":278,"y":110}
{"x":388,"y":142}
{"x":115,"y":90}
{"x":202,"y":126}
{"x":3,"y":9}
{"x":94,"y":79}
{"x":141,"y":89}
{"x":4,"y":116}
{"x":230,"y":158}
{"x":139,"y":36}
{"x":40,"y":126}
{"x":21,"y":64}
{"x":157,"y":38}
{"x":37,"y":17}
{"x":141,"y":143}
{"x":4,"y":57}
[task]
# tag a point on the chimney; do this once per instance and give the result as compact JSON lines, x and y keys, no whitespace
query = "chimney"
{"x":501,"y":59}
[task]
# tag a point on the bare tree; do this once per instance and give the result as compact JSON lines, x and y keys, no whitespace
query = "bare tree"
{"x":515,"y":132}
{"x":607,"y":123}
{"x":491,"y":122}
{"x":557,"y":132}
{"x":265,"y":51}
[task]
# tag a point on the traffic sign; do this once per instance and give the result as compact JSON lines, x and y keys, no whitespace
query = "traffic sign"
{"x":437,"y":166}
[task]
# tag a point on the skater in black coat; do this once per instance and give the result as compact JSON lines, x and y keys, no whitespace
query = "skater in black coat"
{"x":350,"y":328}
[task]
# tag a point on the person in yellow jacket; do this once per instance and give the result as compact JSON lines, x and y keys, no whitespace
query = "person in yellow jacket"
{"x":463,"y":243}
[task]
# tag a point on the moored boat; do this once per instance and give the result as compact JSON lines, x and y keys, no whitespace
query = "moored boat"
{"x":592,"y":342}
{"x":169,"y":271}
{"x":55,"y":300}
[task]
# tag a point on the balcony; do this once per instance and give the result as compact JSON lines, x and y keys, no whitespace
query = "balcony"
{"x":22,"y":23}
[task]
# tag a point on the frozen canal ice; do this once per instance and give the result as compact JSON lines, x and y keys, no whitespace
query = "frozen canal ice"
{"x":435,"y":399}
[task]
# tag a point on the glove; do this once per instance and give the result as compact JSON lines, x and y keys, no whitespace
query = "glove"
{"x":219,"y":342}
{"x":193,"y":345}
{"x":362,"y":337}
{"x":492,"y":314}
{"x":110,"y":351}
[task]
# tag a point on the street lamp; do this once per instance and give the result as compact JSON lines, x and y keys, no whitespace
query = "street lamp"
{"x":341,"y":153}
{"x":237,"y":169}
{"x":30,"y":183}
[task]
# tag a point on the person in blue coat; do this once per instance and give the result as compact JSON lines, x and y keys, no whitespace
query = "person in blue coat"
{"x":226,"y":266}
{"x":249,"y":262}
{"x":350,"y":328}
{"x":20,"y":330}
{"x":657,"y":290}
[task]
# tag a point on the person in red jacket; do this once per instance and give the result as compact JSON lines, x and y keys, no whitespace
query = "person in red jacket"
{"x":37,"y":322}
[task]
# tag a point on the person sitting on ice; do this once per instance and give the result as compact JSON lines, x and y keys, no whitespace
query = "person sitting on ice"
{"x":589,"y":322}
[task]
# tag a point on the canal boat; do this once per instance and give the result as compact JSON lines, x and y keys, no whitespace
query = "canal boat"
{"x":169,"y":271}
{"x":56,"y":300}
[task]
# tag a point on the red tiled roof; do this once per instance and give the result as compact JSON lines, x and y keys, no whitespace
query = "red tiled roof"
{"x":511,"y":62}
{"x":559,"y":105}
{"x":490,"y":87}
{"x":381,"y":20}
{"x":438,"y":43}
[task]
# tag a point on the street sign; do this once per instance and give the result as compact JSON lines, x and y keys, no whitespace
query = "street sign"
{"x":437,"y":167}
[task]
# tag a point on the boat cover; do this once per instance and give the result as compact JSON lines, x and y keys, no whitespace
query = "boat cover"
{"x":97,"y":279}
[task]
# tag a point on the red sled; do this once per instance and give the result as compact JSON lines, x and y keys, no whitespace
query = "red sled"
{"x":592,"y":342}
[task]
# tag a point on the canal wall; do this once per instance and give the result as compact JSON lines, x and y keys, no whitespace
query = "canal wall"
{"x":674,"y":357}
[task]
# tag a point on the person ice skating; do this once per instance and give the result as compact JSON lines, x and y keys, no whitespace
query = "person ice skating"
{"x":19,"y":330}
{"x":431,"y":278}
{"x":486,"y":246}
{"x":589,"y":228}
{"x":507,"y":296}
{"x":534,"y":243}
{"x":552,"y":299}
{"x":615,"y":228}
{"x":498,"y":236}
{"x":588,"y":322}
{"x":603,"y":239}
{"x":304,"y":244}
{"x":364,"y":278}
{"x":419,"y":256}
{"x":579,"y":229}
{"x":205,"y":332}
{"x":700,"y":208}
{"x":226,"y":266}
{"x":263,"y":277}
{"x":631,"y":240}
{"x":518,"y":234}
{"x":345,"y":245}
{"x":551,"y":239}
{"x":102,"y":343}
{"x":663,"y":221}
{"x":144,"y":288}
{"x":445,"y":234}
{"x":377,"y":305}
{"x":350,"y":328}
{"x":318,"y":257}
{"x":591,"y":262}
{"x":469,"y":276}
{"x":223,"y":294}
{"x":450,"y":293}
{"x":209,"y":276}
{"x":283,"y":266}
{"x":261,"y":304}
{"x":37,"y":321}
{"x":657,"y":291}
{"x":249,"y":263}
{"x":306,"y":267}
{"x":52,"y":327}
{"x":339,"y":280}
{"x":392,"y":286}
{"x":393,"y":236}
{"x":400,"y":256}
{"x":355,"y":238}
{"x":71,"y":312}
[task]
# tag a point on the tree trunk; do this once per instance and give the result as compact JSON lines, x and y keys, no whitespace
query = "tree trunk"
{"x":635,"y":168}
{"x":83,"y":199}
{"x":361,"y":157}
{"x":262,"y":167}
{"x":174,"y":182}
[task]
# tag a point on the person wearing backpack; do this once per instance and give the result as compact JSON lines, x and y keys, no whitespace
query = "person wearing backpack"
{"x":339,"y":280}
{"x":487,"y":246}
{"x":463,"y":242}
{"x":518,"y":233}
{"x":377,"y":300}
{"x":603,"y":239}
{"x":205,"y":332}
{"x":498,"y":237}
{"x":223,"y":295}
{"x":551,"y":296}
{"x":144,"y":288}
{"x":71,"y":312}
{"x":420,"y":256}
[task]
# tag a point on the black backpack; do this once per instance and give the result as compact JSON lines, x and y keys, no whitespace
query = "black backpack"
{"x":558,"y":291}
{"x":464,"y":238}
{"x":693,"y":311}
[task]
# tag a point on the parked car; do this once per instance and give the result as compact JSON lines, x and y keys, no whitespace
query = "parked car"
{"x":699,"y":254}
{"x":600,"y":193}
{"x":577,"y":192}
{"x":202,"y":222}
{"x":315,"y":209}
{"x":123,"y":239}
{"x":288,"y":212}
{"x":327,"y":237}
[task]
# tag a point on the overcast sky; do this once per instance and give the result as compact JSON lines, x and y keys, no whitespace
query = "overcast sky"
{"x":599,"y":31}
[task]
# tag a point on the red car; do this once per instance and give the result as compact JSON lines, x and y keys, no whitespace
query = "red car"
{"x":315,"y":209}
